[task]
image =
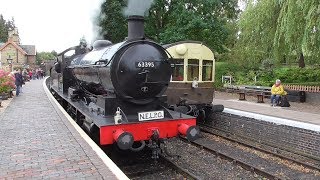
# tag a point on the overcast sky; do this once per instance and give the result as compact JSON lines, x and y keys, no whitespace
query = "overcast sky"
{"x":52,"y":24}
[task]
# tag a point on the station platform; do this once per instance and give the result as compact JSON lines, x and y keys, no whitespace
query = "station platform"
{"x":265,"y":109}
{"x":39,"y":141}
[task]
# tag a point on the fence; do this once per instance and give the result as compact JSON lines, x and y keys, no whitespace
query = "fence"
{"x":314,"y":89}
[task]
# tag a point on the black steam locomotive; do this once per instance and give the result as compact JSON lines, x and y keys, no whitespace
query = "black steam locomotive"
{"x":116,"y":91}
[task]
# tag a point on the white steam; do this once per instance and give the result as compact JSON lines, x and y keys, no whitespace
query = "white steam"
{"x":137,"y":7}
{"x":96,"y":16}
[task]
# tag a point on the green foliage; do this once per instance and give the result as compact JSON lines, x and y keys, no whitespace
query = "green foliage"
{"x":4,"y":27}
{"x":171,"y":21}
{"x":267,"y":77}
{"x":43,"y":56}
{"x":297,"y":75}
{"x":286,"y":31}
{"x":225,"y":69}
{"x":112,"y":23}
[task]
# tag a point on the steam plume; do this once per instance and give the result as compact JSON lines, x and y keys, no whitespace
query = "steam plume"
{"x":137,"y":7}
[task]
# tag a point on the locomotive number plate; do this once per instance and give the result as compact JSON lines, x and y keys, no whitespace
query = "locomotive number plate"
{"x":145,"y":116}
{"x":145,"y":64}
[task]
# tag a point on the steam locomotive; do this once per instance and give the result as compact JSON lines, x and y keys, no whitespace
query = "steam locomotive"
{"x":116,"y":91}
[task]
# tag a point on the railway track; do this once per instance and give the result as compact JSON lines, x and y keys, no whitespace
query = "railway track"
{"x":235,"y":160}
{"x":251,"y":162}
{"x":211,"y":130}
{"x":141,"y":166}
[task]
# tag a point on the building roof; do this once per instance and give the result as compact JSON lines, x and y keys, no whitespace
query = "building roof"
{"x":29,"y":49}
{"x":15,"y":45}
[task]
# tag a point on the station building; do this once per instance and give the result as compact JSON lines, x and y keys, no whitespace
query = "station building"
{"x":14,"y":52}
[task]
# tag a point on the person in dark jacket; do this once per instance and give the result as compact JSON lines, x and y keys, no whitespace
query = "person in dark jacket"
{"x":18,"y":81}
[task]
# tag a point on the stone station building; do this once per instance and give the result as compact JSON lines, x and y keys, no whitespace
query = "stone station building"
{"x":21,"y":55}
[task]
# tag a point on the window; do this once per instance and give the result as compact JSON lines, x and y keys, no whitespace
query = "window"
{"x":177,"y":71}
{"x":193,"y":69}
{"x":207,"y":70}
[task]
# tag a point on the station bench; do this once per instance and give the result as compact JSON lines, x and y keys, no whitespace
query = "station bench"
{"x":259,"y":94}
{"x":292,"y":96}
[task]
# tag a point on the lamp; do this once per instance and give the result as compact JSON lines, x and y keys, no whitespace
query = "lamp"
{"x":10,"y":62}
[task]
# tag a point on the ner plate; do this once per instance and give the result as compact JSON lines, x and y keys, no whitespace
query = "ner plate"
{"x":145,"y":116}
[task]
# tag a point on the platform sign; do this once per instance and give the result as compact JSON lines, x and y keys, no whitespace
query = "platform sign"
{"x":145,"y":116}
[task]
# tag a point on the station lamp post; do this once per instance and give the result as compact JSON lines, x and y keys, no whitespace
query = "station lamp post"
{"x":10,"y":63}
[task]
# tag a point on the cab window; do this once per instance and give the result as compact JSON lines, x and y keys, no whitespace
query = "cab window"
{"x":207,"y":70}
{"x":193,"y":69}
{"x":177,"y":72}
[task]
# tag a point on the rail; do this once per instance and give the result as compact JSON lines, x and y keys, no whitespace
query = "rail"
{"x":181,"y":170}
{"x":235,"y":160}
{"x":208,"y":129}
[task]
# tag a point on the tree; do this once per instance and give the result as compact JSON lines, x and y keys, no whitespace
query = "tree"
{"x":111,"y":20}
{"x":3,"y":30}
{"x":201,"y":20}
{"x":4,"y":27}
{"x":279,"y":30}
{"x":298,"y":29}
{"x":256,"y":33}
{"x":171,"y":21}
{"x":44,"y":56}
{"x":53,"y":52}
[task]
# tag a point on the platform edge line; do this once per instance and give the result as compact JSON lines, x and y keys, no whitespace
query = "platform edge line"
{"x":273,"y":119}
{"x":105,"y":159}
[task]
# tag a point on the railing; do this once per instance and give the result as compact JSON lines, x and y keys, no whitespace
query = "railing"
{"x":314,"y":89}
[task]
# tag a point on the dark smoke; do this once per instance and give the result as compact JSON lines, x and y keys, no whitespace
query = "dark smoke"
{"x":137,"y":7}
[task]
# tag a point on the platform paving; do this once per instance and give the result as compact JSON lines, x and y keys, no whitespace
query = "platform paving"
{"x":38,"y":142}
{"x":266,"y":109}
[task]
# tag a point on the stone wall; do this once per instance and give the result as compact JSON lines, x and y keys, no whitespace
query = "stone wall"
{"x":18,"y":58}
{"x":313,"y":98}
{"x":296,"y":140}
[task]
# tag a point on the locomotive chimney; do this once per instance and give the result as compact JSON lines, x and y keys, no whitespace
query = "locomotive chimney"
{"x":135,"y":27}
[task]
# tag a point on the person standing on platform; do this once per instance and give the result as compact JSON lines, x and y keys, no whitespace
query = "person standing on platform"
{"x":18,"y":81}
{"x":277,"y":91}
{"x":30,"y":74}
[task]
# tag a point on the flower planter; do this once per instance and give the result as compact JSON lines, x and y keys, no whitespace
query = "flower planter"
{"x":4,"y":96}
{"x":10,"y":94}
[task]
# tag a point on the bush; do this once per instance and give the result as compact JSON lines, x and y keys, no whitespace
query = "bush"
{"x":6,"y":82}
{"x":265,"y":76}
{"x":224,"y":69}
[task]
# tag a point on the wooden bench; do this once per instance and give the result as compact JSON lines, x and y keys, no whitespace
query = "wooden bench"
{"x":260,"y":94}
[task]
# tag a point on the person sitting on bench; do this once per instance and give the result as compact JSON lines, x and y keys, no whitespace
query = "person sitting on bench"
{"x":277,"y":91}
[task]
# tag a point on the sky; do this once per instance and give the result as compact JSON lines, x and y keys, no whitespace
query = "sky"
{"x":52,"y":24}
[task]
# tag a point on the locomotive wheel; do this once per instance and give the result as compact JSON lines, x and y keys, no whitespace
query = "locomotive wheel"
{"x":95,"y":134}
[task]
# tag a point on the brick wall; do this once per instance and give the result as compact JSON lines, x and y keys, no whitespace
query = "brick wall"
{"x":296,"y":140}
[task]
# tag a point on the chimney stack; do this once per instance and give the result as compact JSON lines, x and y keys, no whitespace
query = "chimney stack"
{"x":135,"y":27}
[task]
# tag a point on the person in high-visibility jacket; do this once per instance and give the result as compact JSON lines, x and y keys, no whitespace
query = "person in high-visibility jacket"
{"x":277,"y":90}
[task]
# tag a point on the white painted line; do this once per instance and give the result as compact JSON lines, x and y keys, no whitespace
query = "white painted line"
{"x":107,"y":161}
{"x":276,"y":120}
